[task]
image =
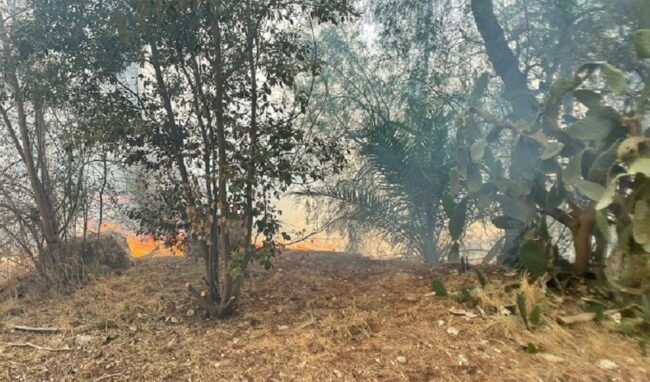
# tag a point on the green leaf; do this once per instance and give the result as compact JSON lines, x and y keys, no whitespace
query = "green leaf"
{"x":533,"y":258}
{"x":552,"y":149}
{"x":521,"y":307}
{"x":591,"y":128}
{"x":438,"y":287}
{"x":457,"y":221}
{"x":465,"y":295}
{"x":535,"y":317}
{"x":607,"y":198}
{"x":448,"y":205}
{"x":481,"y":278}
{"x":474,"y":179}
{"x":603,"y":163}
{"x":462,"y":162}
{"x":477,"y":152}
{"x":644,"y":15}
{"x":641,"y":222}
{"x":531,"y":348}
{"x":640,"y":166}
{"x":615,"y":78}
{"x":453,"y":256}
{"x":506,"y":222}
{"x":629,"y":148}
{"x":593,"y":191}
{"x":589,"y":98}
{"x":560,"y":87}
{"x":518,"y":189}
{"x":642,"y":43}
{"x":454,"y":181}
{"x":494,"y":251}
{"x":573,"y":171}
{"x":542,"y":229}
{"x":603,"y":225}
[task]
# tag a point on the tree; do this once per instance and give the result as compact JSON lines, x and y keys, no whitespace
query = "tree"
{"x":570,"y":17}
{"x":219,"y":110}
{"x":397,"y":122}
{"x":43,"y":73}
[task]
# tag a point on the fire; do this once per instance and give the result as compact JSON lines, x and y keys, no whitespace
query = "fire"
{"x":144,"y":245}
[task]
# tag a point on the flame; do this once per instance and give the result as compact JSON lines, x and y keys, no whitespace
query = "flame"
{"x":144,"y":245}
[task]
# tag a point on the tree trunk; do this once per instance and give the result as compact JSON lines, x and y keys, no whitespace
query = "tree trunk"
{"x":582,"y":232}
{"x":250,"y":177}
{"x":504,"y":61}
{"x":223,"y":263}
{"x":430,"y":249}
{"x":523,"y":101}
{"x":22,"y":142}
{"x":101,"y":195}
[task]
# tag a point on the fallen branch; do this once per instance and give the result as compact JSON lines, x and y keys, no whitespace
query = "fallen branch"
{"x":582,"y":317}
{"x":30,"y":345}
{"x":35,"y":329}
{"x":107,"y":376}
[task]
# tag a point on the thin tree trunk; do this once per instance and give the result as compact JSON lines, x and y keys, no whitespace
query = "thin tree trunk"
{"x":223,"y":262}
{"x":430,"y":248}
{"x":582,"y":231}
{"x":23,"y":145}
{"x":250,"y":181}
{"x":101,"y":195}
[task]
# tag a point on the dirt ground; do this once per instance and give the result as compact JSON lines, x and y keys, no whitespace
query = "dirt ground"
{"x":314,"y":317}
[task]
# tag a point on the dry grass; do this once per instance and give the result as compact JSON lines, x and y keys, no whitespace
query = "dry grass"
{"x":315,"y":317}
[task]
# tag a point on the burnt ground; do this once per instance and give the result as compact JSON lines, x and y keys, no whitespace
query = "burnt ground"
{"x":314,"y":317}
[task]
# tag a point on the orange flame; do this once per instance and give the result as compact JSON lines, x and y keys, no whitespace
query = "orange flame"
{"x":145,"y":245}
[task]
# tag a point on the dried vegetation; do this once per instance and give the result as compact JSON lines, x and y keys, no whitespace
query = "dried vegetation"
{"x":314,"y":317}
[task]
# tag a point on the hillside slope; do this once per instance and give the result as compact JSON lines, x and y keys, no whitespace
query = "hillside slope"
{"x":314,"y":317}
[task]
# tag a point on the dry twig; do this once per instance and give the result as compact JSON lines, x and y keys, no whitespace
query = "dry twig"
{"x":31,"y":345}
{"x":36,"y":329}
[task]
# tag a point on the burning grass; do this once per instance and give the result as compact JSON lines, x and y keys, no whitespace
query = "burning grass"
{"x":146,"y":245}
{"x":314,"y":317}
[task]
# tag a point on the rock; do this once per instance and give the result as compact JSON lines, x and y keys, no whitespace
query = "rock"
{"x":441,"y":323}
{"x":82,"y":340}
{"x":283,"y":327}
{"x":617,"y":318}
{"x":462,"y":360}
{"x":190,"y":313}
{"x":503,"y":311}
{"x":337,"y":373}
{"x":400,"y":359}
{"x":452,"y":331}
{"x":607,"y":364}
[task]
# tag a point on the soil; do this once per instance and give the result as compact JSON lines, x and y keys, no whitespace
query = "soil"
{"x":313,"y":317}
